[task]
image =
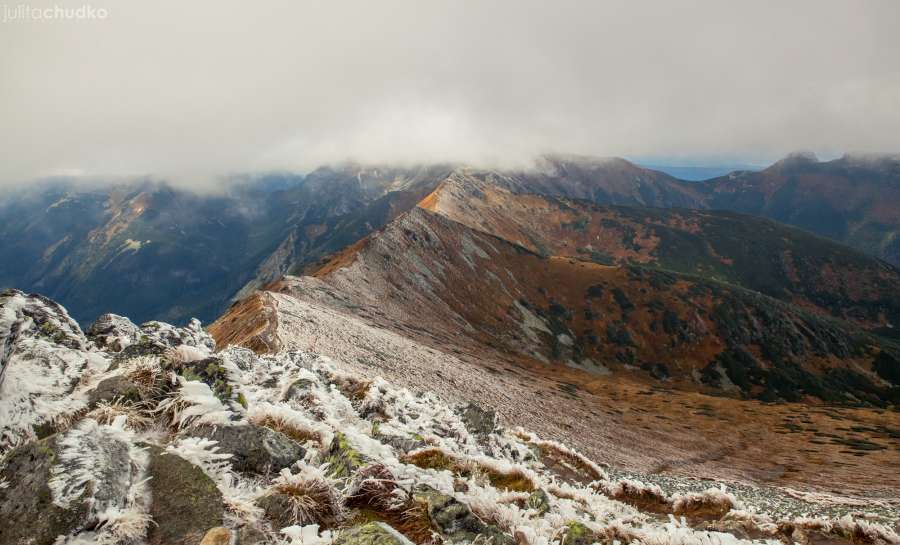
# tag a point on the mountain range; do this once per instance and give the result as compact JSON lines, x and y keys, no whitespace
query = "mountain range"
{"x":152,"y":251}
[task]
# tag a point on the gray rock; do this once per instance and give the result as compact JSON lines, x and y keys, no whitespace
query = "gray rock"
{"x":373,"y":533}
{"x":403,"y":444}
{"x":254,"y":448}
{"x":453,"y":519}
{"x":478,"y":421}
{"x":186,"y":503}
{"x":249,"y":535}
{"x":26,"y":505}
{"x":113,"y":333}
{"x":172,"y":336}
{"x":117,"y":387}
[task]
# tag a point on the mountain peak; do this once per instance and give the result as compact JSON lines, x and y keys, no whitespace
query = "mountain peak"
{"x":797,"y":158}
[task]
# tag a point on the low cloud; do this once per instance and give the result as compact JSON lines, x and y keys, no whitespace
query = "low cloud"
{"x":193,"y":91}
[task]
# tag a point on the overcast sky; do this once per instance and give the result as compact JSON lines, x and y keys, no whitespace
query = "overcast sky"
{"x":188,"y":91}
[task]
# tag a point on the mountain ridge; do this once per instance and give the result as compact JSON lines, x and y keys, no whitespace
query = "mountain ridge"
{"x":205,"y":252}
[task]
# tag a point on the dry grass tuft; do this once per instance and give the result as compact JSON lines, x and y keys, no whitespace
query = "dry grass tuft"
{"x":138,"y":415}
{"x":291,"y":429}
{"x":376,"y":496}
{"x":435,"y":458}
{"x":647,"y":498}
{"x":311,"y":497}
{"x":572,"y":459}
{"x":376,"y":487}
{"x":353,"y":388}
{"x":712,"y":504}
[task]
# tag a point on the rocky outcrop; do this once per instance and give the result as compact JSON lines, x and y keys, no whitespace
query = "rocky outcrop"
{"x":113,"y":333}
{"x":478,"y":421}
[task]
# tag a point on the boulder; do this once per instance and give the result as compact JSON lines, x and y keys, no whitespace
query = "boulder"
{"x":60,"y":485}
{"x":186,"y":502}
{"x":113,"y":388}
{"x":113,"y":333}
{"x":478,"y":421}
{"x":373,"y":533}
{"x":26,"y":503}
{"x":248,"y":535}
{"x":254,"y":449}
{"x":453,"y":519}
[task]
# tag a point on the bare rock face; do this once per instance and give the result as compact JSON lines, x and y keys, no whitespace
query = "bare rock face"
{"x":186,"y":503}
{"x":113,"y":333}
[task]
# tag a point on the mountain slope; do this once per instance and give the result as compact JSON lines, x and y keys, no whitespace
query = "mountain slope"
{"x":436,"y":274}
{"x":854,"y":199}
{"x":150,"y":251}
{"x":761,"y":255}
{"x":619,"y":353}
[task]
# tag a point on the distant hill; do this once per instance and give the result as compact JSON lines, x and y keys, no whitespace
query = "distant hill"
{"x":854,"y":199}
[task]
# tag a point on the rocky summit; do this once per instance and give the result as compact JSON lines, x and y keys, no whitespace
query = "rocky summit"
{"x":151,"y":434}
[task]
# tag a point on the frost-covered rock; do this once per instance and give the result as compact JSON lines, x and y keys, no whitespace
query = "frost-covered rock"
{"x":26,"y":503}
{"x":455,"y":520}
{"x":186,"y":502}
{"x":43,"y":358}
{"x":192,"y":334}
{"x":90,"y":480}
{"x":478,"y":421}
{"x":253,"y":448}
{"x":113,"y":333}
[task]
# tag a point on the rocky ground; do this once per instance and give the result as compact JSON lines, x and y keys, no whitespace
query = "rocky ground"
{"x":145,"y":435}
